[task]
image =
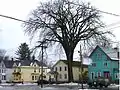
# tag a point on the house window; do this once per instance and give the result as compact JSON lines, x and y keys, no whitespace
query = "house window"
{"x":35,"y":70}
{"x":43,"y":70}
{"x":32,"y":77}
{"x":65,"y":68}
{"x":99,"y":74}
{"x":39,"y":69}
{"x":3,"y":77}
{"x":55,"y":68}
{"x":65,"y":75}
{"x":94,"y":64}
{"x":116,"y":75}
{"x":60,"y":68}
{"x":2,"y":71}
{"x":92,"y":75}
{"x":14,"y":70}
{"x":99,"y":55}
{"x":35,"y":77}
{"x":34,"y":65}
{"x":60,"y":76}
{"x":105,"y":64}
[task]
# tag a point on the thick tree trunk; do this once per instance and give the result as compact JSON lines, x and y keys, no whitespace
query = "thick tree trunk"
{"x":70,"y":71}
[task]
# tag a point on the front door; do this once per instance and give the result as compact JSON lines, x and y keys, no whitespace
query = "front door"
{"x":106,"y":74}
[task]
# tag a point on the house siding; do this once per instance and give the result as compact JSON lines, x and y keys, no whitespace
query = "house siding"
{"x":103,"y":64}
{"x":76,"y":71}
{"x":61,"y":73}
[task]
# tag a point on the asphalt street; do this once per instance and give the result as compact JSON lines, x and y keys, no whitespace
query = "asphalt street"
{"x":54,"y":87}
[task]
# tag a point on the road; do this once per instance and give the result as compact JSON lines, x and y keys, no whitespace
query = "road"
{"x":52,"y":87}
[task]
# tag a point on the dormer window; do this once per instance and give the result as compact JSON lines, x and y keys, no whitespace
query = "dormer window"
{"x":34,"y":65}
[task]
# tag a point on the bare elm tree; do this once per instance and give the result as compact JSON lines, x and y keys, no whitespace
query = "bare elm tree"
{"x":67,"y":22}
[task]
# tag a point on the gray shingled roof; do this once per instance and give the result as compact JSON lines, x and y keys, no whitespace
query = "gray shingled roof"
{"x":111,"y":52}
{"x":74,"y":63}
{"x":8,"y":63}
{"x":28,"y":62}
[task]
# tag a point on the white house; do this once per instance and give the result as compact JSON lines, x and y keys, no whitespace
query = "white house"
{"x":61,"y":67}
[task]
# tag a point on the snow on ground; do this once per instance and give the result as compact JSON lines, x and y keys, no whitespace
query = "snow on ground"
{"x":69,"y":83}
{"x":114,"y":85}
{"x":27,"y":84}
{"x":11,"y":84}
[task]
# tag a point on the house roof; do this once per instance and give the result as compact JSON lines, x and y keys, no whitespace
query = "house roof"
{"x":112,"y":53}
{"x":74,"y":63}
{"x":8,"y":63}
{"x":28,"y":62}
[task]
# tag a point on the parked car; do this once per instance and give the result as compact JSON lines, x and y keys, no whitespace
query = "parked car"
{"x":99,"y":82}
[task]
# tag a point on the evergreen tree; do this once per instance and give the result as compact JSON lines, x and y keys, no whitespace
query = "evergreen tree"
{"x":23,"y":52}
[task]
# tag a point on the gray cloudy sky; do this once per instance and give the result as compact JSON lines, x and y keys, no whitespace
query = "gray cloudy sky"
{"x":11,"y":32}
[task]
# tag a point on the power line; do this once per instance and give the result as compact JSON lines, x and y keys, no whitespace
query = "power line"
{"x":5,"y":16}
{"x":112,"y":24}
{"x":111,"y":28}
{"x":9,"y":17}
{"x":108,"y":13}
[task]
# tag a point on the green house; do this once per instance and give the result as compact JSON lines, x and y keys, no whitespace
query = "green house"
{"x":105,"y":63}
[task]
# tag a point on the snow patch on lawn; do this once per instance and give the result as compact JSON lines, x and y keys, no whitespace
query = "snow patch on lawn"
{"x":27,"y":84}
{"x":69,"y":84}
{"x":49,"y":88}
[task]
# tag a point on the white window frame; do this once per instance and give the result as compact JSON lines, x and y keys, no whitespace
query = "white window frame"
{"x":60,"y":76}
{"x":105,"y":65}
{"x":97,"y":74}
{"x":65,"y":76}
{"x":93,"y":75}
{"x":117,"y":75}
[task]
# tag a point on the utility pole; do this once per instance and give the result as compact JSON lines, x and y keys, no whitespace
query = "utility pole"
{"x":81,"y":66}
{"x":42,"y":47}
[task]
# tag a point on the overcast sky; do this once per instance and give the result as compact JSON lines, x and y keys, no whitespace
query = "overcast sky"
{"x":11,"y":32}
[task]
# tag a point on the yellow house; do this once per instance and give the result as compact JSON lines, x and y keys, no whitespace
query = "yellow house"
{"x":29,"y":71}
{"x":61,"y":67}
